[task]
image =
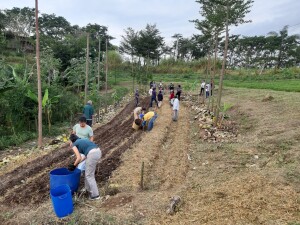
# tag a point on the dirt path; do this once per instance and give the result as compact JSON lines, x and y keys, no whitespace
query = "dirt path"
{"x":164,"y":153}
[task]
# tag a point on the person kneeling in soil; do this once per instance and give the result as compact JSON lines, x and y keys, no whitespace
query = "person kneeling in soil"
{"x":92,"y":153}
{"x":148,"y":120}
{"x":138,"y":111}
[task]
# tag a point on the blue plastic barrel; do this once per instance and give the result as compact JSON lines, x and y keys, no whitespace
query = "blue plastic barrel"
{"x":63,"y":176}
{"x":62,"y":200}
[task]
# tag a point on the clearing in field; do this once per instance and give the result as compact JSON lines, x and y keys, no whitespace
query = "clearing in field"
{"x":251,"y":177}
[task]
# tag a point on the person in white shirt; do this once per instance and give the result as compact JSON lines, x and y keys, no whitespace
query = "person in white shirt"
{"x":207,"y":89}
{"x":175,"y":108}
{"x":202,"y":88}
{"x":150,"y":91}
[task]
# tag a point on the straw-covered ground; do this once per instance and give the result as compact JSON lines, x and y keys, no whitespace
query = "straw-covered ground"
{"x":252,"y":177}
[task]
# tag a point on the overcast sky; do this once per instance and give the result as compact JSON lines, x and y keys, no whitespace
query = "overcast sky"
{"x":170,"y":16}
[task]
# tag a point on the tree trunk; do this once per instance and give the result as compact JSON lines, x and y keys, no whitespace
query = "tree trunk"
{"x":86,"y":68}
{"x":38,"y":68}
{"x":99,"y":55}
{"x":132,"y":73}
{"x":214,"y":73}
{"x":222,"y":73}
{"x":106,"y":72}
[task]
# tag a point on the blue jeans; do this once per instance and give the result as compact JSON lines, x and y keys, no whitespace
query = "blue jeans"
{"x":151,"y":122}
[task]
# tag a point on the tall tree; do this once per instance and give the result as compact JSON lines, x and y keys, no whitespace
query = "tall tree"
{"x":40,"y":110}
{"x":233,"y":12}
{"x":150,"y":43}
{"x":87,"y":67}
{"x":129,"y":46}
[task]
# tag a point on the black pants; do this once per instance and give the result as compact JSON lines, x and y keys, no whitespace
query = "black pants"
{"x":136,"y":101}
{"x":202,"y":91}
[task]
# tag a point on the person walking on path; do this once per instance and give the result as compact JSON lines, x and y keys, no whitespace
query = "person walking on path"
{"x":153,"y":98}
{"x":154,"y":85}
{"x":150,"y":92}
{"x":179,"y":90}
{"x":160,"y":98}
{"x":171,"y":98}
{"x":88,"y":112}
{"x":202,"y":88}
{"x":175,"y":109}
{"x":207,"y":89}
{"x":148,"y":120}
{"x":136,"y":95}
{"x":171,"y":87}
{"x":92,"y":153}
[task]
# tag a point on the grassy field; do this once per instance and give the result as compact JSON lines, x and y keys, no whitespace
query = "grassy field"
{"x":276,"y":82}
{"x":276,"y":85}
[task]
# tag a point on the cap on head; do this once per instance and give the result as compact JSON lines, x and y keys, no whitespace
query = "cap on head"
{"x":89,"y":102}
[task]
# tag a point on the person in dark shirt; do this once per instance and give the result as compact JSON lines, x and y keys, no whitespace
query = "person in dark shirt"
{"x":153,"y":97}
{"x":88,"y":112}
{"x":178,"y":92}
{"x":92,"y":153}
{"x":160,"y":98}
{"x":136,"y":95}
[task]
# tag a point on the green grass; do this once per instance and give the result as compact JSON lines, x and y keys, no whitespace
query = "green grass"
{"x":277,"y":85}
{"x":283,"y":81}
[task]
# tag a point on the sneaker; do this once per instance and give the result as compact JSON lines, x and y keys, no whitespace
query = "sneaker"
{"x":95,"y":198}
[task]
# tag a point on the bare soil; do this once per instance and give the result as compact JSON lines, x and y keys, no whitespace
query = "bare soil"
{"x":29,"y":183}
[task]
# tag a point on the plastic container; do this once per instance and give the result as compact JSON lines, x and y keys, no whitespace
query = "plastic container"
{"x":62,"y":200}
{"x":63,"y":176}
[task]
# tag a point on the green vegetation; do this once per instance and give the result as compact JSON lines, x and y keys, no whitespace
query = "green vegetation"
{"x":268,"y":62}
{"x":277,"y":85}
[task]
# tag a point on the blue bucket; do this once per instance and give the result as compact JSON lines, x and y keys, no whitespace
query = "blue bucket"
{"x":62,"y":200}
{"x":63,"y":176}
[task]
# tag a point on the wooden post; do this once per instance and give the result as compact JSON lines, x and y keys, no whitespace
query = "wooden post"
{"x":38,"y":68}
{"x":86,"y":68}
{"x":106,"y":72}
{"x":99,"y":55}
{"x":142,"y":176}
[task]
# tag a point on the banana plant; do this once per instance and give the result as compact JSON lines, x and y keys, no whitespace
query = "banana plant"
{"x":46,"y":104}
{"x":224,"y":109}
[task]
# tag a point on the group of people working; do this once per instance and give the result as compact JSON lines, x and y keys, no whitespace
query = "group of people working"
{"x":82,"y":138}
{"x":86,"y":151}
{"x":144,"y":119}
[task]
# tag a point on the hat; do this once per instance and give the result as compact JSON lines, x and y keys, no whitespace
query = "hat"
{"x":90,"y":102}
